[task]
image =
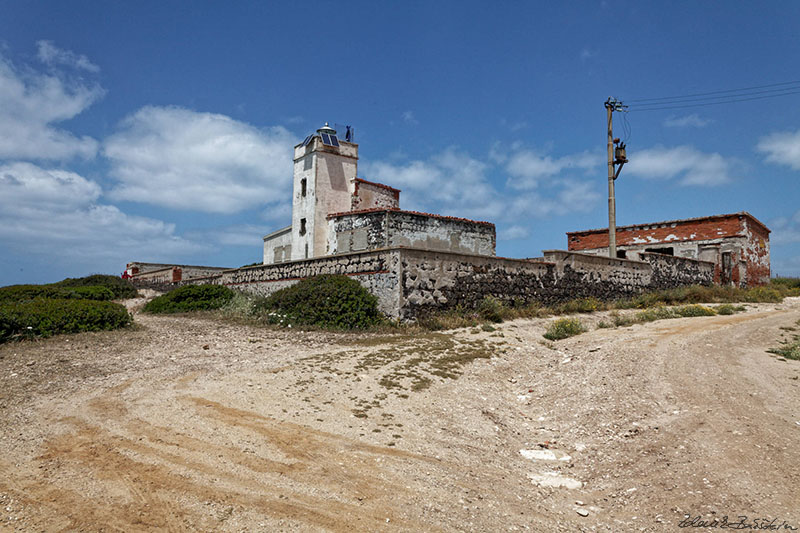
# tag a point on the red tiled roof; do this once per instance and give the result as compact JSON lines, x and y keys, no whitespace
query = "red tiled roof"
{"x":419,"y":213}
{"x":678,"y":221}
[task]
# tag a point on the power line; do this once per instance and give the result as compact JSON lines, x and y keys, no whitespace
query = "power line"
{"x":734,"y":98}
{"x":688,"y":100}
{"x":714,"y":92}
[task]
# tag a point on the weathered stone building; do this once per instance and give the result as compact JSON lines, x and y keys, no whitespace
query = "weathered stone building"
{"x":335,"y":212}
{"x":415,"y":263}
{"x":737,"y":244}
{"x":164,"y":273}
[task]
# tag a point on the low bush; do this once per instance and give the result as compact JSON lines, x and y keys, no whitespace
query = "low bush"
{"x":491,"y":309}
{"x":24,"y":293}
{"x":789,"y":283}
{"x":190,"y":298}
{"x":694,"y":310}
{"x":581,"y":305}
{"x":122,"y":288}
{"x":330,"y":301}
{"x":789,"y":349}
{"x":563,"y":328}
{"x":42,"y":317}
{"x":729,"y":309}
{"x":762,"y":294}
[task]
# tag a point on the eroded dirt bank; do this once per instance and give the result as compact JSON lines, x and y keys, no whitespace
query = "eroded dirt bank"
{"x":190,"y":424}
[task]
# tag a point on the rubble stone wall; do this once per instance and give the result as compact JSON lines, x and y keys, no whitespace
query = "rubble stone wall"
{"x":409,"y":282}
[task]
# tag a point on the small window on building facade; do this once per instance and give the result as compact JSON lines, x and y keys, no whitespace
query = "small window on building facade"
{"x":621,"y":254}
{"x":302,"y":226}
{"x":303,"y":187}
{"x":666,"y":251}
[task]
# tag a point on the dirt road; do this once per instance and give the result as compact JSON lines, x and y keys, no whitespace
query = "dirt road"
{"x":186,"y":424}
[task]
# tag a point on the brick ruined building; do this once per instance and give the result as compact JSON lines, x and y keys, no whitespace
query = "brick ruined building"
{"x":737,"y":243}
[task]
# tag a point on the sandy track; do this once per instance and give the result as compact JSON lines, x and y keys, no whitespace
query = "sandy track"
{"x":190,"y":424}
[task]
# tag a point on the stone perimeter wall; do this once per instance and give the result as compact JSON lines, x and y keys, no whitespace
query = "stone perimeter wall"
{"x":409,"y":282}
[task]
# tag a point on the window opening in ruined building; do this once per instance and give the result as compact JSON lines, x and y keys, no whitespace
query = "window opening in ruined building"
{"x":621,"y":254}
{"x":666,"y":251}
{"x":302,"y":226}
{"x":303,"y":187}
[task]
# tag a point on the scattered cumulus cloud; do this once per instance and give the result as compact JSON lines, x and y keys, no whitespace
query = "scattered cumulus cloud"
{"x":785,"y":230}
{"x":183,"y":159}
{"x":692,"y":120}
{"x":409,"y":118}
{"x":587,"y":53}
{"x":32,"y":103}
{"x":782,"y":148}
{"x":455,"y":183}
{"x":51,"y":55}
{"x":513,"y":233}
{"x":689,"y":165}
{"x":46,"y":212}
{"x":528,"y":168}
{"x":451,"y":183}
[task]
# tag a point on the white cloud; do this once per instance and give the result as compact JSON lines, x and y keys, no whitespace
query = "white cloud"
{"x":692,"y":166}
{"x":785,"y":230}
{"x":451,"y":183}
{"x":55,"y":214}
{"x":527,"y":168}
{"x":49,"y":54}
{"x":237,"y":235}
{"x":692,"y":120}
{"x":782,"y":148}
{"x":182,"y":159}
{"x":512,"y":233}
{"x":31,"y":103}
{"x":408,"y":118}
{"x":454,"y":183}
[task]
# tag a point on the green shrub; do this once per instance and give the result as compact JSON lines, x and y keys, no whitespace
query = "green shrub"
{"x":729,"y":309}
{"x":705,"y":294}
{"x":563,"y":328}
{"x":789,"y":283}
{"x":24,"y":293}
{"x":581,"y":305}
{"x":491,"y":309}
{"x":43,"y":317}
{"x":190,"y":298}
{"x":694,"y":310}
{"x":762,"y":294}
{"x":122,"y":288}
{"x":789,"y":349}
{"x":331,"y":301}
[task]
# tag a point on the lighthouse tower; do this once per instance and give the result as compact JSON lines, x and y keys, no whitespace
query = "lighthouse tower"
{"x":324,"y":182}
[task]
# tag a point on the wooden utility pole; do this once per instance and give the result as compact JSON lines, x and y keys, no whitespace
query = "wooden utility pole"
{"x":615,"y":157}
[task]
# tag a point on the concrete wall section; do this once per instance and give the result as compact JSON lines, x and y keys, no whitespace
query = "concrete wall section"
{"x":582,"y":275}
{"x":375,"y":270}
{"x":433,"y":232}
{"x":358,"y":232}
{"x":370,"y":195}
{"x":669,"y":271}
{"x":756,"y":253}
{"x":432,"y":281}
{"x":410,"y":282}
{"x":278,"y":246}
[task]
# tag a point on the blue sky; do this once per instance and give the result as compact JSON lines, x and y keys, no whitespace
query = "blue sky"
{"x":163,"y":131}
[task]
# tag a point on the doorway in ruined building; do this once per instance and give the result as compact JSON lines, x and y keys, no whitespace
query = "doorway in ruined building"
{"x":727,"y":268}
